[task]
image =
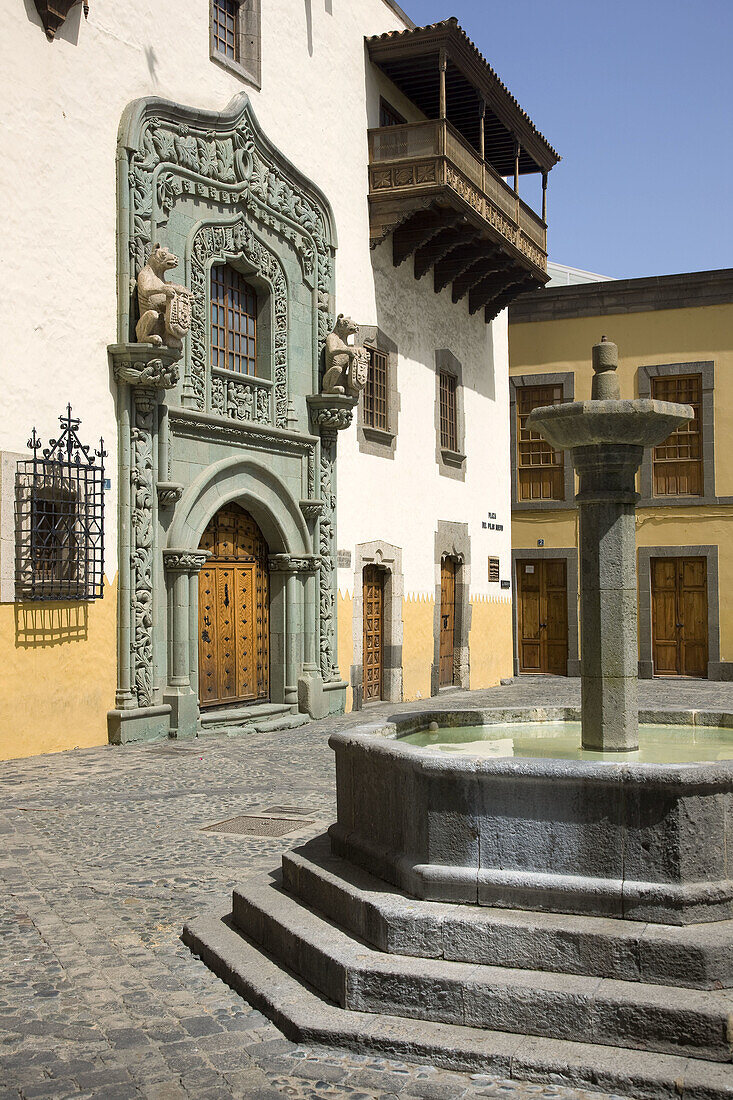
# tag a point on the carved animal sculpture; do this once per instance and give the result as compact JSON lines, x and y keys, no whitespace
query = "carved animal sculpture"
{"x":165,"y":308}
{"x":346,"y":365}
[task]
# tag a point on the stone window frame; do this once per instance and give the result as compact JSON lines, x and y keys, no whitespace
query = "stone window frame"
{"x":450,"y":463}
{"x":566,"y":379}
{"x":377,"y":441}
{"x":570,"y":554}
{"x":452,"y":540}
{"x":248,"y":63}
{"x":717,"y":669}
{"x":705,"y":368}
{"x":388,"y":558}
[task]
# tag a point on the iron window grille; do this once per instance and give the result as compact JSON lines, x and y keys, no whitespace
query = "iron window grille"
{"x":59,"y":514}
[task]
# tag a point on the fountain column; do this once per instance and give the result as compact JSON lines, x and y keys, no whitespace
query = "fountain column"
{"x":606,"y":500}
{"x":606,"y":437}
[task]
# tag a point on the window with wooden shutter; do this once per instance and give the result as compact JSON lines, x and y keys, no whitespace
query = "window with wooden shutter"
{"x":233,"y":321}
{"x":448,"y":412}
{"x":540,"y":468}
{"x":494,"y":570}
{"x":375,"y":391}
{"x":388,"y":116}
{"x":677,"y":462}
{"x":224,"y":28}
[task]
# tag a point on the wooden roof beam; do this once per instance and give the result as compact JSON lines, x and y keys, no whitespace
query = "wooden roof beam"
{"x":455,"y":263}
{"x":504,"y":297}
{"x":494,"y":261}
{"x":447,"y":240}
{"x":421,"y":228}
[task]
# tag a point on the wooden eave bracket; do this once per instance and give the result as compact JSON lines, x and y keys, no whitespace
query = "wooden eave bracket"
{"x":53,"y":13}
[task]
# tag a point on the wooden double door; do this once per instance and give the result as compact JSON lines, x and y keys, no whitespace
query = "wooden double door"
{"x":373,"y":594}
{"x":542,"y":617}
{"x":679,"y":616}
{"x":448,"y":570}
{"x":234,"y":657}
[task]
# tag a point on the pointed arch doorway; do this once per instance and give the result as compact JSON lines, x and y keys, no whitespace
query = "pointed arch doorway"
{"x":234,"y":631}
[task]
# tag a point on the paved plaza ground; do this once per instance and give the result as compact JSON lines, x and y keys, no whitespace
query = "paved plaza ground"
{"x":104,"y":854}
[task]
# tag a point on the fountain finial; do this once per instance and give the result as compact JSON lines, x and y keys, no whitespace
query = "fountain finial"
{"x":605,"y":361}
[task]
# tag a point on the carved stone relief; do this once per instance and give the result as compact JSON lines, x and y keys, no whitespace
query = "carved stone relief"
{"x":141,"y":549}
{"x":229,"y":164}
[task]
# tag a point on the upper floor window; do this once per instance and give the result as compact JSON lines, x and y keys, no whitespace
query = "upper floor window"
{"x":233,"y":321}
{"x":375,"y":391}
{"x":540,"y":468}
{"x":224,"y":28}
{"x":235,"y":36}
{"x":388,"y":116}
{"x":448,"y":411}
{"x":677,"y":463}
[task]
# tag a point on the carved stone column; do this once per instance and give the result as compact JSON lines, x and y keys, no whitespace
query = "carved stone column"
{"x":299,"y":640}
{"x":180,"y":694}
{"x":142,"y":374}
{"x":330,"y":413}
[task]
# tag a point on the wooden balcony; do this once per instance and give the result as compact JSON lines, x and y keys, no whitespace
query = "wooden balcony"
{"x":451,"y":211}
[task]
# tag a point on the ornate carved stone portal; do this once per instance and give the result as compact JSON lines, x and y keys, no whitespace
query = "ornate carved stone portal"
{"x":193,"y":436}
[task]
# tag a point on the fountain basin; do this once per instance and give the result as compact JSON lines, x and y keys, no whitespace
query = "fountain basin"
{"x":642,"y":422}
{"x":608,"y":837}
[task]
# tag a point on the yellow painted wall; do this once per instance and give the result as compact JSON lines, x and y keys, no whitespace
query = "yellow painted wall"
{"x":57,"y":674}
{"x":417,"y":646}
{"x":345,"y":628}
{"x":490,"y":641}
{"x":661,"y":336}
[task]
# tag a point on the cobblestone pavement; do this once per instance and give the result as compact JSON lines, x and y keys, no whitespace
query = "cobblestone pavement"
{"x":102,"y":859}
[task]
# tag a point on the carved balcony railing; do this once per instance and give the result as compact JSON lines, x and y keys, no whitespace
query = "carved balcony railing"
{"x":427,"y":184}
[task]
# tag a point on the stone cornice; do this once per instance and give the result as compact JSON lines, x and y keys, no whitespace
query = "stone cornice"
{"x":690,"y":290}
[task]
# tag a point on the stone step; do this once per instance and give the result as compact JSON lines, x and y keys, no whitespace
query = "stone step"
{"x":664,"y":1019}
{"x":244,"y":715}
{"x":305,"y":1017}
{"x":696,"y":956}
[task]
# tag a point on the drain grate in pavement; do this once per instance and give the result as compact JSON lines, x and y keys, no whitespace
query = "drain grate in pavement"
{"x":250,"y":825}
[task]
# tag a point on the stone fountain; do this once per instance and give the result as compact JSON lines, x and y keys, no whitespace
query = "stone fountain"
{"x":606,"y":437}
{"x":555,"y":919}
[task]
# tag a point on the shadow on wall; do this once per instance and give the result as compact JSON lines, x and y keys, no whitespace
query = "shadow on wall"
{"x":403,"y":314}
{"x":39,"y":626}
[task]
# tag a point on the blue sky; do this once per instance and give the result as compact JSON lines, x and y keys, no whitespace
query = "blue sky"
{"x":638,"y":100}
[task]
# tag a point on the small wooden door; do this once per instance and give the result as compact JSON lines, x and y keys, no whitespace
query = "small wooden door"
{"x":234,"y":661}
{"x":373,"y":631}
{"x":447,"y":620}
{"x":679,"y":616}
{"x":543,"y":616}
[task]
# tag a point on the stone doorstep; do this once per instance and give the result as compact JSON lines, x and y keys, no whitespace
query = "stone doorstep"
{"x":303,"y":1016}
{"x":245,"y":715}
{"x":696,"y":956}
{"x":664,"y":1019}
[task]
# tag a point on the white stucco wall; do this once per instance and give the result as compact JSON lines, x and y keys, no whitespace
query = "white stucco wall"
{"x":58,"y":310}
{"x":400,"y":500}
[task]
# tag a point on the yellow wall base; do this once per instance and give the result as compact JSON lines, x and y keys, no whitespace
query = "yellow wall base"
{"x":58,"y":674}
{"x":490,"y":643}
